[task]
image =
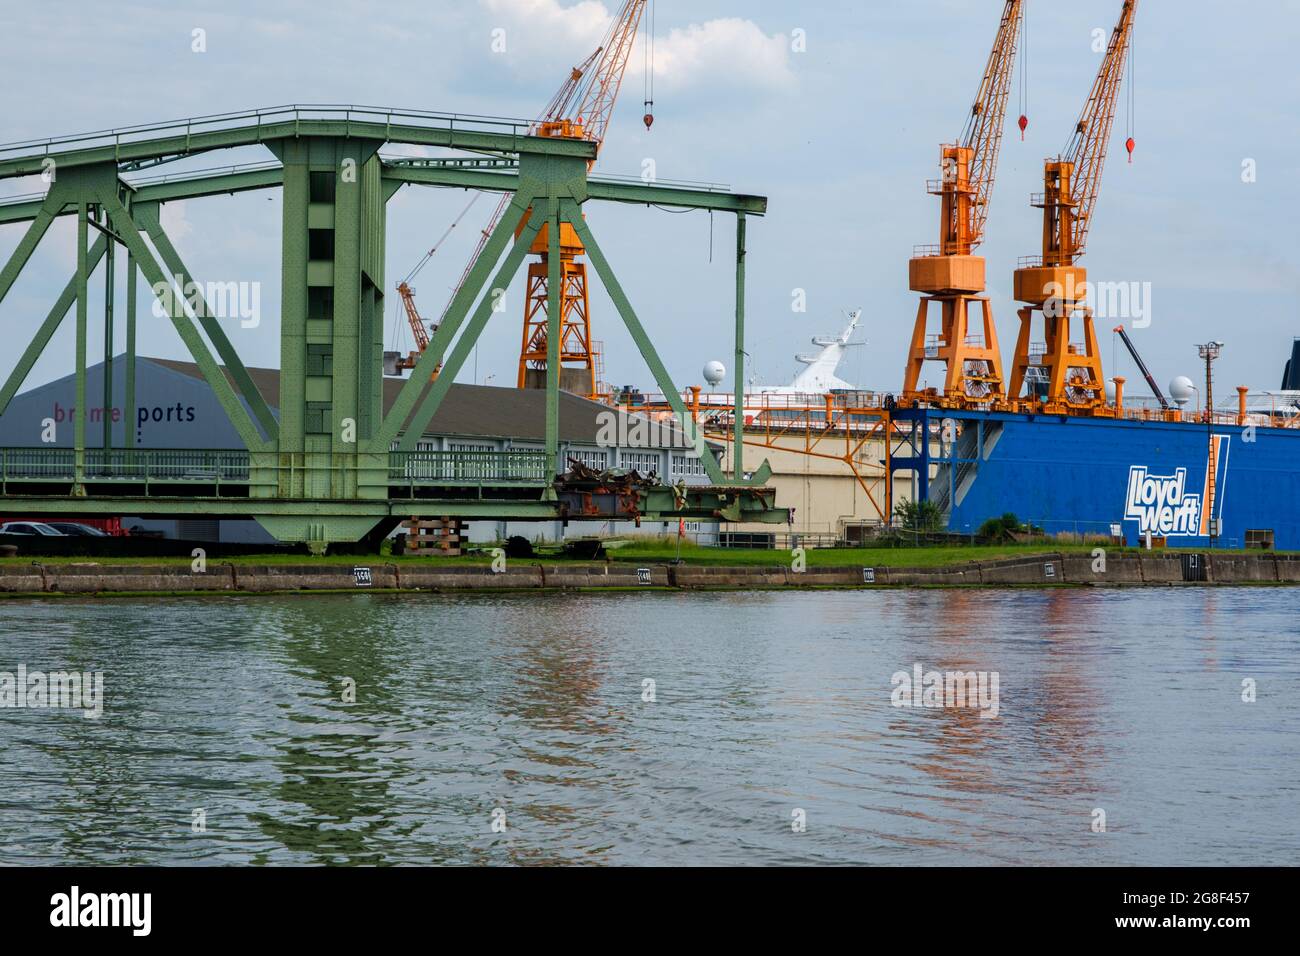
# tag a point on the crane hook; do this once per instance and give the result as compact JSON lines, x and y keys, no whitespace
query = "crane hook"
{"x":1130,"y":146}
{"x":1024,"y":124}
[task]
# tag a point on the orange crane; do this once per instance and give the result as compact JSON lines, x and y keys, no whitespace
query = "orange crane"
{"x":595,"y":95}
{"x":418,"y":329}
{"x":421,"y":331}
{"x":594,"y":91}
{"x":560,"y":104}
{"x":949,"y":273}
{"x":1067,"y":376}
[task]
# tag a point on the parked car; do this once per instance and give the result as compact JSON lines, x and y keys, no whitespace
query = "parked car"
{"x":31,"y":528}
{"x":77,"y":530}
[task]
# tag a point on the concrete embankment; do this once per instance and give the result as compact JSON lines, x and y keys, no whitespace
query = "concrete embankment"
{"x":1080,"y":570}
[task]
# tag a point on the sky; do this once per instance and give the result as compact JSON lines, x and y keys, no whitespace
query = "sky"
{"x":832,"y":110}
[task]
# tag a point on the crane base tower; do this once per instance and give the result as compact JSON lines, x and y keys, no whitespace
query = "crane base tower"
{"x":577,"y":356}
{"x":1061,"y":372}
{"x":973,"y":362}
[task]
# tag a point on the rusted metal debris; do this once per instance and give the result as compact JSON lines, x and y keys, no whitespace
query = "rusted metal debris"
{"x":609,"y":491}
{"x":609,"y":479}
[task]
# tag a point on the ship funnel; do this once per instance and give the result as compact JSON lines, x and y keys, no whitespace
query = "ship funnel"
{"x":1291,"y":374}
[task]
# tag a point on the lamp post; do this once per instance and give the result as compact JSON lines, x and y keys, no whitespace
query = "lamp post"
{"x":1210,"y":351}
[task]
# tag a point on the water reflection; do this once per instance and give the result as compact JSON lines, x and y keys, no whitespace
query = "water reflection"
{"x":765,"y":705}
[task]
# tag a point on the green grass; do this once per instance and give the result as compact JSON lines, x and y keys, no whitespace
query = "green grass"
{"x":926,"y":556}
{"x":639,"y":551}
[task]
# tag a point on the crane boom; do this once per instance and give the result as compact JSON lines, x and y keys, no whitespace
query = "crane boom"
{"x":560,"y":104}
{"x":418,"y":328}
{"x":1073,"y":181}
{"x":1142,"y":367}
{"x":492,"y":223}
{"x":983,"y":133}
{"x":1087,"y":147}
{"x":593,"y":86}
{"x":601,"y":92}
{"x":562,"y":101}
{"x":595,"y":91}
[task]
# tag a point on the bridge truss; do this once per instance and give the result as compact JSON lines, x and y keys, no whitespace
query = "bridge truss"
{"x":334,"y":466}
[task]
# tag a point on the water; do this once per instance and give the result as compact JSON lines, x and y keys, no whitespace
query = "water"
{"x":766,"y":704}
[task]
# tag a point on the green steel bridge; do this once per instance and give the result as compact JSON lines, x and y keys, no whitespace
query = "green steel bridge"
{"x":334,"y":467}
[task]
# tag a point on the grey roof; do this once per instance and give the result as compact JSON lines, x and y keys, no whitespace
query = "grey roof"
{"x":486,"y":411}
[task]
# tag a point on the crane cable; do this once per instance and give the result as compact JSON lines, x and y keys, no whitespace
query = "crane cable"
{"x":648,"y":69}
{"x":1024,"y":70}
{"x":429,"y":255}
{"x":1130,"y":104}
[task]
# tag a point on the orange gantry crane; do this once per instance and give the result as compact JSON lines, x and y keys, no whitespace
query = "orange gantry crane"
{"x":949,"y":273}
{"x":1061,"y":374}
{"x":580,"y":109}
{"x":421,"y":331}
{"x":595,"y":94}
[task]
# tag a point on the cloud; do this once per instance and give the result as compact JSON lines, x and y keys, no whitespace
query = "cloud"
{"x":535,"y":26}
{"x":728,"y":52}
{"x":174,"y":222}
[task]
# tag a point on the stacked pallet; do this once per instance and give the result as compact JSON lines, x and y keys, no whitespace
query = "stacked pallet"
{"x":433,"y":537}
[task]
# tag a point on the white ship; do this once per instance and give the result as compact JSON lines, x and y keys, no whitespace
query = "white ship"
{"x":818,"y":377}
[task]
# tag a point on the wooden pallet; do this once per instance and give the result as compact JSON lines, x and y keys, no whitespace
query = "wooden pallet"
{"x":433,"y":537}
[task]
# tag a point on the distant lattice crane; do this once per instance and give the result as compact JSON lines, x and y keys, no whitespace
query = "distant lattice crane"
{"x":949,"y":273}
{"x":594,"y":87}
{"x":418,"y":329}
{"x":1068,"y":375}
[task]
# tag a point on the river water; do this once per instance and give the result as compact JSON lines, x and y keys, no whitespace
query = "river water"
{"x":522,"y":729}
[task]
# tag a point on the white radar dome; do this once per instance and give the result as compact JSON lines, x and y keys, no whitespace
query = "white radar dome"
{"x":1181,"y":390}
{"x":714,"y":372}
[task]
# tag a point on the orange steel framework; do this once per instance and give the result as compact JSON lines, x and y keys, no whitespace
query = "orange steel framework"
{"x":950,"y":274}
{"x":833,"y":427}
{"x":1062,"y":375}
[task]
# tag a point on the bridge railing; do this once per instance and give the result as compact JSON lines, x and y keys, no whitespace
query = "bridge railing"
{"x":265,"y":117}
{"x":154,"y":464}
{"x":518,"y":466}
